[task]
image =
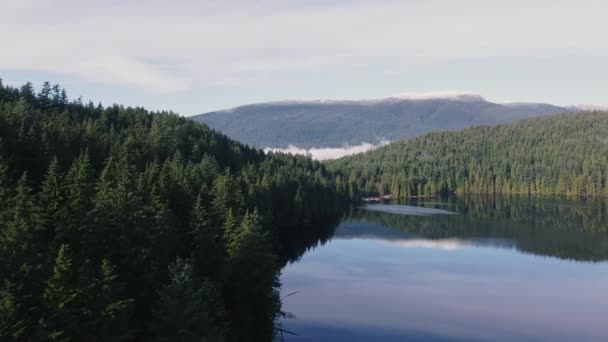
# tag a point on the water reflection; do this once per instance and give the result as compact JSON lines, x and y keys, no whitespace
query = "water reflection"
{"x":406,"y":210}
{"x":564,"y":229}
{"x":395,"y":277}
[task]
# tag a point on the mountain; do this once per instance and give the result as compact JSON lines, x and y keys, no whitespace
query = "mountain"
{"x":331,"y":123}
{"x":563,"y":155}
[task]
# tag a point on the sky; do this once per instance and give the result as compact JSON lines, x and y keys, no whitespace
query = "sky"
{"x":197,"y":56}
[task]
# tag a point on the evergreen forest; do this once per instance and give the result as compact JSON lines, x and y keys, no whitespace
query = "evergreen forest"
{"x":120,"y":224}
{"x":557,"y":156}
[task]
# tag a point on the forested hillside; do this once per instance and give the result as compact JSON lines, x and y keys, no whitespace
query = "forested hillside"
{"x":565,"y":155}
{"x":122,"y":224}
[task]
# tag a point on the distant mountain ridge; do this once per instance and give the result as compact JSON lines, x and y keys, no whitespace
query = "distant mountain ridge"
{"x":338,"y":123}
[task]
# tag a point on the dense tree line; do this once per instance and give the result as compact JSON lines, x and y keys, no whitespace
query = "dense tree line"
{"x":564,"y":155}
{"x":122,"y":224}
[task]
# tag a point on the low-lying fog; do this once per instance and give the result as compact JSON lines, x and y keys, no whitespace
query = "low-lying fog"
{"x":325,"y":153}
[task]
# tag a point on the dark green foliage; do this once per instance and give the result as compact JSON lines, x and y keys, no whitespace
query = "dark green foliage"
{"x":564,"y":155}
{"x":78,"y":306}
{"x":106,"y":211}
{"x":13,"y":325}
{"x":248,"y":279}
{"x":61,"y":301}
{"x":187,"y":311}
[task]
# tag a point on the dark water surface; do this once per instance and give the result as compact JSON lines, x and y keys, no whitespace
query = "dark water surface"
{"x":476,"y":269}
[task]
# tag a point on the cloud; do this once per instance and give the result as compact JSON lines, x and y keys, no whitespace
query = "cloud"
{"x":116,"y":70}
{"x":169,"y":47}
{"x":326,"y":153}
{"x":195,"y":56}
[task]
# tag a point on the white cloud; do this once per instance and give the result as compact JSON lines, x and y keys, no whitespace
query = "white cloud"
{"x":122,"y":42}
{"x":326,"y":153}
{"x":116,"y":70}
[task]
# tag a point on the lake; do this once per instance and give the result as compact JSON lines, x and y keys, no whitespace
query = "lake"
{"x":455,"y":270}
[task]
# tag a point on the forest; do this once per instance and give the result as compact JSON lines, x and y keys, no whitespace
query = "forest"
{"x":558,"y":156}
{"x":120,"y":224}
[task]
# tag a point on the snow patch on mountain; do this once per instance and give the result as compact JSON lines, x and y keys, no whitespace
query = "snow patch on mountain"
{"x":442,"y":95}
{"x":453,"y":95}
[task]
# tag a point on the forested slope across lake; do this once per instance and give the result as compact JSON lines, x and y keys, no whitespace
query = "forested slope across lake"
{"x":564,"y":155}
{"x":122,"y":224}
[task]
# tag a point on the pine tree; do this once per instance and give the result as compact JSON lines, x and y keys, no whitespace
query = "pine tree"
{"x":44,"y":96}
{"x":251,"y":276}
{"x":13,"y":325}
{"x":21,"y":235}
{"x":27,"y":92}
{"x":187,"y":311}
{"x":61,"y":299}
{"x":6,"y":199}
{"x":208,"y":251}
{"x":52,"y":199}
{"x":23,"y":219}
{"x":110,"y":321}
{"x":80,"y":183}
{"x":231,"y":233}
{"x":227,"y":194}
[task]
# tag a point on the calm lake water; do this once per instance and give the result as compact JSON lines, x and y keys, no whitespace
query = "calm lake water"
{"x":477,"y":269}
